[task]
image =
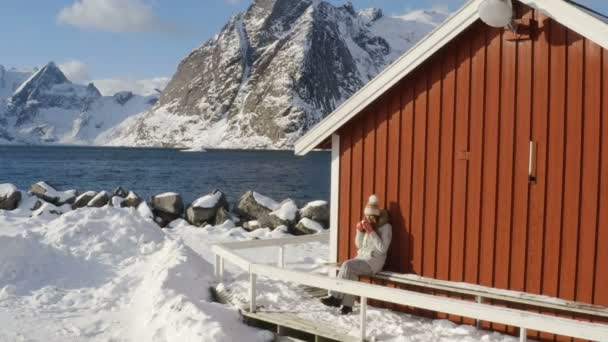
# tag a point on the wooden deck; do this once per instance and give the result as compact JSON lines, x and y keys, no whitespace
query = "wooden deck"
{"x":291,"y":325}
{"x":288,"y":326}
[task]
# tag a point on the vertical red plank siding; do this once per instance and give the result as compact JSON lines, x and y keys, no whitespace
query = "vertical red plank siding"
{"x":476,"y":146}
{"x":590,"y":176}
{"x":504,"y":222}
{"x":356,"y":183}
{"x":600,"y":295}
{"x":444,"y":222}
{"x":392,"y":180}
{"x":369,"y":155}
{"x":346,"y":168}
{"x":405,"y":177}
{"x":381,"y":152}
{"x":446,"y":151}
{"x":432,"y":170}
{"x":536,"y":211}
{"x":461,"y":148}
{"x":555,"y":162}
{"x":572,"y":174}
{"x":418,"y":176}
{"x":523,"y":100}
{"x":490,"y":169}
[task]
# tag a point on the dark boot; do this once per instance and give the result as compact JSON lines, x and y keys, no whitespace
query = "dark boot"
{"x":346,"y":310}
{"x":331,"y":301}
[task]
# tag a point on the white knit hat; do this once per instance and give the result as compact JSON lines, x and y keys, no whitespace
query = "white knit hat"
{"x":371,"y":209}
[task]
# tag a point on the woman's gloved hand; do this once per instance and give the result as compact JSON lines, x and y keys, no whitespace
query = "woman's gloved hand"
{"x":368,"y":227}
{"x":360,"y":226}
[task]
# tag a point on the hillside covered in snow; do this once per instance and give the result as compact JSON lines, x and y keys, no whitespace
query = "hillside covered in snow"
{"x":42,"y":106}
{"x":271,"y":74}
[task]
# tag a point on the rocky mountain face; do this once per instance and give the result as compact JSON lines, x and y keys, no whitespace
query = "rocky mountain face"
{"x":46,"y":107}
{"x":272,"y":73}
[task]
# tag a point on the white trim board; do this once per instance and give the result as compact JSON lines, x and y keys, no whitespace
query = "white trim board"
{"x":561,"y":11}
{"x":335,"y":198}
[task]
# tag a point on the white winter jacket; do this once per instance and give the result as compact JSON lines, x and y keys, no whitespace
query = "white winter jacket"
{"x":373,"y":247}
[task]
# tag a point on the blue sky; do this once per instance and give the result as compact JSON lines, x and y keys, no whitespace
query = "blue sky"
{"x":135,"y":39}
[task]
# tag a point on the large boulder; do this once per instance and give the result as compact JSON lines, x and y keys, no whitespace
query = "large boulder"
{"x":317,"y":211}
{"x":100,"y":200}
{"x":253,"y":206}
{"x":222,"y":216}
{"x":204,"y":210}
{"x":120,"y":192}
{"x":9,"y":197}
{"x":167,"y":207}
{"x":132,"y":201}
{"x":306,"y":226}
{"x":163,"y":219}
{"x":286,"y":214}
{"x":84,"y":199}
{"x":169,"y":202}
{"x":48,"y":193}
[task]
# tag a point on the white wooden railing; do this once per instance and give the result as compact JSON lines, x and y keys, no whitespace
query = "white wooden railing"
{"x":477,"y":310}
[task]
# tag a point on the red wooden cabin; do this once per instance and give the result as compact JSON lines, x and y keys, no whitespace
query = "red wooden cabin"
{"x":489,"y":148}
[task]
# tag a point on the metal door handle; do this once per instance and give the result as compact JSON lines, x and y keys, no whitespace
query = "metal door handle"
{"x":532,"y":163}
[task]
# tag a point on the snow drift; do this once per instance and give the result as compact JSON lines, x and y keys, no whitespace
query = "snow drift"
{"x":111,"y":263}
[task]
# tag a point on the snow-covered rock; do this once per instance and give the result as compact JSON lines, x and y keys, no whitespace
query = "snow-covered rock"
{"x":100,"y":200}
{"x":204,"y":210}
{"x":48,"y":193}
{"x":307,"y":226}
{"x":9,"y":197}
{"x":286,"y":214}
{"x":316,"y":211}
{"x":168,"y":202}
{"x":120,"y":192}
{"x":252,"y":206}
{"x":83,"y":199}
{"x":166,"y":208}
{"x":271,"y":74}
{"x":222,"y":215}
{"x":47,"y":210}
{"x":132,"y":200}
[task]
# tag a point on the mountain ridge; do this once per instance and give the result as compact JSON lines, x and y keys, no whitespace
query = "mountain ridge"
{"x":44,"y":106}
{"x":270,"y":74}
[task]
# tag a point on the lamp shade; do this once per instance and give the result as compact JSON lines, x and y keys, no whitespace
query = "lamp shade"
{"x":496,"y":13}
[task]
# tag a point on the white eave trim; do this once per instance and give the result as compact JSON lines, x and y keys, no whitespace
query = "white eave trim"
{"x":563,"y":12}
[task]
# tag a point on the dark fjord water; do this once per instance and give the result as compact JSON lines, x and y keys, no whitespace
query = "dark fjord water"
{"x":278,"y":174}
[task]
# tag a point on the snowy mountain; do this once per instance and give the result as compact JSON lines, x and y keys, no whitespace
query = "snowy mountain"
{"x":272,"y":73}
{"x":45,"y":107}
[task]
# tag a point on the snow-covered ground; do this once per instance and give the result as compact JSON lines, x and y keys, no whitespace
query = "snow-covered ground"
{"x":111,"y":274}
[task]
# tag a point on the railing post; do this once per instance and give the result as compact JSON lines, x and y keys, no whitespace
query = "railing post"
{"x":221,"y":270}
{"x":216,"y":267}
{"x":363,"y":317}
{"x":252,"y":279}
{"x":479,"y":300}
{"x":523,"y":334}
{"x":281,"y":262}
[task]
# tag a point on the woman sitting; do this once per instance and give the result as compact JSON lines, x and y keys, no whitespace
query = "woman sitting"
{"x":373,"y":237}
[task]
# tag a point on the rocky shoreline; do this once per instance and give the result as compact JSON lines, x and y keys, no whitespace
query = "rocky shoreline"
{"x":251,"y":211}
